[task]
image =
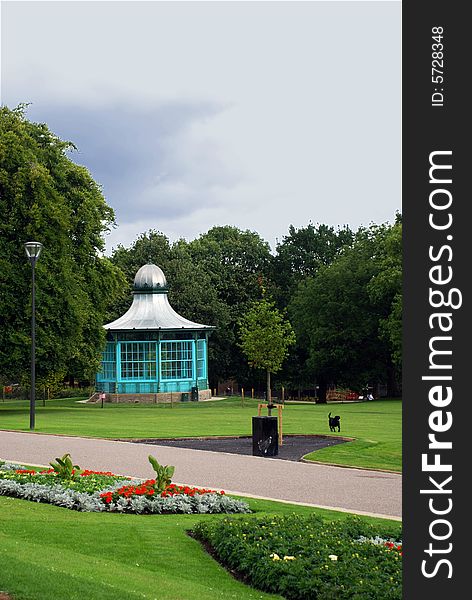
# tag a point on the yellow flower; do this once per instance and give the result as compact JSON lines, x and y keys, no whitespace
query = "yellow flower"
{"x":289,"y":558}
{"x":275,"y":556}
{"x":333,"y":557}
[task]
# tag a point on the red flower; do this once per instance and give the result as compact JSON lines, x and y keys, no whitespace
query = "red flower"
{"x":148,"y":488}
{"x":107,"y":497}
{"x":88,"y":472}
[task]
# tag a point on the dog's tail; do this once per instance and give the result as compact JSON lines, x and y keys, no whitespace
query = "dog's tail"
{"x":329,"y":415}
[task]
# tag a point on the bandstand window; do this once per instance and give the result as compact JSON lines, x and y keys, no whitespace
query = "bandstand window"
{"x":176,"y":360}
{"x":201,"y":359}
{"x":109,"y":362}
{"x":138,"y":360}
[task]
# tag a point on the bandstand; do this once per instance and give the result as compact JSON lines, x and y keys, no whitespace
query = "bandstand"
{"x":152,"y":353}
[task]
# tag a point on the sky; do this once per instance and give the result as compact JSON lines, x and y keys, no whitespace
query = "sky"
{"x":196,"y":114}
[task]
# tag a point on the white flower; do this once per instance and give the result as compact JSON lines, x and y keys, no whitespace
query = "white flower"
{"x":333,"y":557}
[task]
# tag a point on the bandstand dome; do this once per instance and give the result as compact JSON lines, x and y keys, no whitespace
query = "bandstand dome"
{"x":149,"y":276}
{"x":151,"y":308}
{"x":151,"y":350}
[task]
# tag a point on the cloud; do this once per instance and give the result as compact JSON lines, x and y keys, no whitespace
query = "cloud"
{"x":196,"y":114}
{"x":150,"y":161}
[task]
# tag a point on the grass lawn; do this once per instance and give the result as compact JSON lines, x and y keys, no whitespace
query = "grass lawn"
{"x":376,"y":426}
{"x":51,"y":553}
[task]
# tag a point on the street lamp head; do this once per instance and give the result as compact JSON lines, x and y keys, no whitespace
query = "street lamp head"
{"x":33,"y":250}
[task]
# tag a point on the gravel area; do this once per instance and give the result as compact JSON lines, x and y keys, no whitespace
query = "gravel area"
{"x":294,"y":447}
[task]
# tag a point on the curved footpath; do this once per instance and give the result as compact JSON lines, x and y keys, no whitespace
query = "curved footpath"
{"x":354,"y":490}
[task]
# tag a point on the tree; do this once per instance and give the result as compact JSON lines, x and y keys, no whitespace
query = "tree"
{"x":385,"y":289}
{"x":338,"y":320}
{"x":265,"y":338}
{"x":44,"y":196}
{"x":236,"y":263}
{"x":303,"y":251}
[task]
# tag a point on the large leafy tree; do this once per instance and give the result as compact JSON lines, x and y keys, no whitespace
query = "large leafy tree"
{"x":237,"y":263}
{"x":235,"y":259}
{"x":338,"y":316}
{"x":303,"y":251}
{"x":300,"y":254}
{"x":45,"y":196}
{"x":266,"y":337}
{"x":385,"y":290}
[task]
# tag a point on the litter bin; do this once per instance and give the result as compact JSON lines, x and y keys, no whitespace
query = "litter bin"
{"x":185,"y":396}
{"x":265,"y":438}
{"x":194,"y":396}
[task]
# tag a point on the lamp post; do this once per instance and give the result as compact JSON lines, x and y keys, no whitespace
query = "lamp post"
{"x":33,"y":250}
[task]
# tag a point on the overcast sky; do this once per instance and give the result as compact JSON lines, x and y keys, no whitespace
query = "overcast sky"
{"x":195,"y":114}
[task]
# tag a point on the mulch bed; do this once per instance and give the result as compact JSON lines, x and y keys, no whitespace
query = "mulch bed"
{"x":294,"y":447}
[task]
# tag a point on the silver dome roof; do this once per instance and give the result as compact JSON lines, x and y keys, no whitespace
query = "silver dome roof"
{"x":149,"y":277}
{"x":151,"y":308}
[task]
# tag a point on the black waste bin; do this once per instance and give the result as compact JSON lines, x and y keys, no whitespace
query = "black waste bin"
{"x":265,"y":437}
{"x":194,"y":396}
{"x":184,"y":396}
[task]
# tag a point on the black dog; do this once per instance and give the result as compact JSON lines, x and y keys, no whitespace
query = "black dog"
{"x":334,"y":422}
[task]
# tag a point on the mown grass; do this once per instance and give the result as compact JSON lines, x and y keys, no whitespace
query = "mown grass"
{"x":51,"y":553}
{"x":376,"y":426}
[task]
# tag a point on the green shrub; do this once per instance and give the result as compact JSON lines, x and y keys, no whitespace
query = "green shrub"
{"x":64,"y":468}
{"x":306,"y":558}
{"x":69,"y":392}
{"x":163,"y":474}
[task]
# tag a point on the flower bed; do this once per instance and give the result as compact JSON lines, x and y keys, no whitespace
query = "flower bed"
{"x":98,"y":491}
{"x":81,"y":481}
{"x":303,"y":558}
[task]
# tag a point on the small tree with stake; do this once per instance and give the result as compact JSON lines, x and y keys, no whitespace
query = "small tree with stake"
{"x":265,"y":339}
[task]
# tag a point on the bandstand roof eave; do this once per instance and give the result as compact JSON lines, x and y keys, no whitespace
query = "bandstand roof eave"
{"x":197,"y":327}
{"x":152,"y":312}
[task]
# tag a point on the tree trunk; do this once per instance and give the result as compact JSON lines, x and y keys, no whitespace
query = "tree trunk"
{"x":322,"y":393}
{"x":392,"y":384}
{"x":268,"y":392}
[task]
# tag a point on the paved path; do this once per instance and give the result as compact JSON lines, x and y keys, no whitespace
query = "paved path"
{"x":353,"y":490}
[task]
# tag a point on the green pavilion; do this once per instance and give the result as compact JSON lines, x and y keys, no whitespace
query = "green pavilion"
{"x":152,"y":353}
